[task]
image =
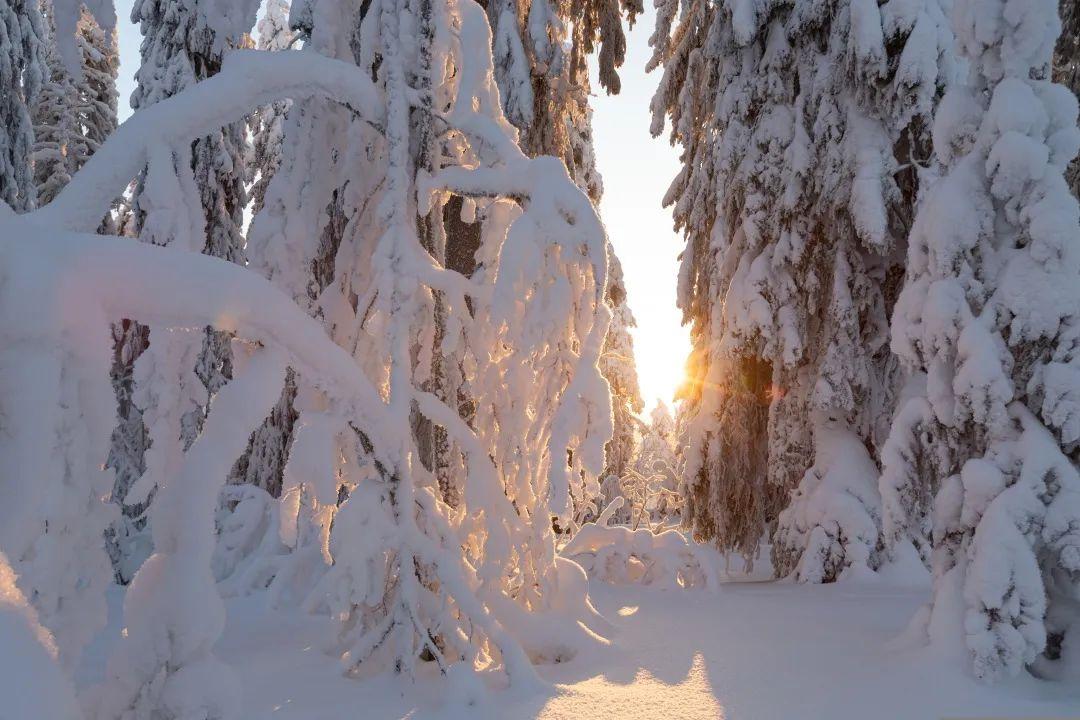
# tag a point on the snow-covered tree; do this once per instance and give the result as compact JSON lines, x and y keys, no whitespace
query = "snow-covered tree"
{"x":74,"y":113}
{"x":310,"y":236}
{"x":656,"y":459}
{"x":569,"y":108}
{"x":263,"y":463}
{"x":801,"y":130}
{"x":540,"y":49}
{"x":319,"y":272}
{"x":729,"y":497}
{"x":446,"y":582}
{"x":268,"y":123}
{"x":868,"y":129}
{"x":617,"y":365}
{"x":60,"y":147}
{"x":1067,"y":69}
{"x":99,"y":61}
{"x":54,"y":419}
{"x":63,"y":568}
{"x":649,"y":483}
{"x":183,"y":43}
{"x":989,"y":311}
{"x":658,"y":441}
{"x":557,"y":364}
{"x":23,"y":70}
{"x":413,"y":577}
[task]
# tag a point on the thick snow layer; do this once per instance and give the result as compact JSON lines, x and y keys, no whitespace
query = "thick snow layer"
{"x":32,"y":684}
{"x":755,"y":650}
{"x":66,"y":14}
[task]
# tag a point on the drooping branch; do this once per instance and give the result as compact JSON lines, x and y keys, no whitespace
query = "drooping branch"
{"x":174,"y":288}
{"x":248,"y":79}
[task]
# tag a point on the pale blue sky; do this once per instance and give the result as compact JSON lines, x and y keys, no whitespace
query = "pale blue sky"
{"x":636,"y":170}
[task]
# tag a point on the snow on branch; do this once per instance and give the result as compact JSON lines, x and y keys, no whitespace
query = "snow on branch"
{"x":618,"y":554}
{"x":248,"y":79}
{"x":451,"y":582}
{"x":168,"y":287}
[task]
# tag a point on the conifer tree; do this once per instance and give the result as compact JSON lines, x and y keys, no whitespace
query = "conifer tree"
{"x":23,"y":70}
{"x":64,"y":569}
{"x":311,"y":163}
{"x":800,"y":130}
{"x":182,"y":44}
{"x":729,"y":498}
{"x":559,"y":123}
{"x":375,"y":500}
{"x":60,"y":147}
{"x":74,"y":113}
{"x":540,"y":49}
{"x":100,"y":63}
{"x":263,"y":463}
{"x":1067,"y":69}
{"x":862,"y":128}
{"x":988,"y":313}
{"x":268,"y":123}
{"x":618,"y":368}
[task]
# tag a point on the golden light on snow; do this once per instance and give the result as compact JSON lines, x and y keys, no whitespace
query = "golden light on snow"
{"x":629,"y":692}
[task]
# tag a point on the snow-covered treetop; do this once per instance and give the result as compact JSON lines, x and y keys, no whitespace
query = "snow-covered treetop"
{"x":273,"y":28}
{"x":67,"y":14}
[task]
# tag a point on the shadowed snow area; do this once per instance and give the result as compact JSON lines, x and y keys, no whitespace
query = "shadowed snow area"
{"x":754,"y":651}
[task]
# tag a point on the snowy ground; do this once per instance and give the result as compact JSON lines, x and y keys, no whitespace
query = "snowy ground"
{"x":756,"y":650}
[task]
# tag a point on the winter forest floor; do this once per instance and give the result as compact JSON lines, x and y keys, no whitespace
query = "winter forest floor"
{"x":755,"y":650}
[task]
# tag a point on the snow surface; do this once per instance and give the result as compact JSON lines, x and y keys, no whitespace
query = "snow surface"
{"x":755,"y":650}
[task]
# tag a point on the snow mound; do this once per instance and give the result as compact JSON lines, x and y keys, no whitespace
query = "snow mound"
{"x":31,"y":682}
{"x":620,"y":555}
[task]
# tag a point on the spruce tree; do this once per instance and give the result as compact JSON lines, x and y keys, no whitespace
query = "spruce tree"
{"x":869,"y":79}
{"x":60,"y":147}
{"x":618,"y":368}
{"x":23,"y":70}
{"x":181,"y":45}
{"x":801,"y":127}
{"x":268,"y":123}
{"x":989,"y":315}
{"x":263,"y":463}
{"x":1067,"y":69}
{"x":74,"y":114}
{"x":545,"y":91}
{"x":65,"y":569}
{"x":99,"y":60}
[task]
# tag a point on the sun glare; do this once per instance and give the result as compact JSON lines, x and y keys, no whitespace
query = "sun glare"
{"x":660,"y":346}
{"x":637,"y":170}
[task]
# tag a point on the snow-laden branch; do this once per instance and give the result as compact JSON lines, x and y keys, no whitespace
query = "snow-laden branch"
{"x":619,"y":554}
{"x":248,"y":79}
{"x":166,"y":287}
{"x":486,"y":489}
{"x":178,"y":573}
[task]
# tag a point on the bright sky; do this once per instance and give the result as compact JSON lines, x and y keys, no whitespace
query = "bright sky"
{"x":636,"y":170}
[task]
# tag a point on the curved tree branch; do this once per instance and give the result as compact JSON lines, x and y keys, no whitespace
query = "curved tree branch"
{"x":248,"y":79}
